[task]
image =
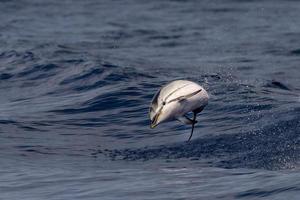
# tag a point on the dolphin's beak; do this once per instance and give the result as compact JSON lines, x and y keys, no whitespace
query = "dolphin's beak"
{"x":153,"y":125}
{"x":154,"y":121}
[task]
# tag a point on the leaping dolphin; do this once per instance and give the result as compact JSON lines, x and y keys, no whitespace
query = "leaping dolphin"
{"x":175,"y":100}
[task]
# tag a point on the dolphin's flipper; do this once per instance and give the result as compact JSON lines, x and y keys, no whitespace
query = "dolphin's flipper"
{"x":184,"y":119}
{"x":193,"y":126}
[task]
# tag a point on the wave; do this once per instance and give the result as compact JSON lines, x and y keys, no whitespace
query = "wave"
{"x":251,"y":124}
{"x":273,"y":147}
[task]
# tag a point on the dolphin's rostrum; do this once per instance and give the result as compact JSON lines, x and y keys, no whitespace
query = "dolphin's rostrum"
{"x":175,"y":100}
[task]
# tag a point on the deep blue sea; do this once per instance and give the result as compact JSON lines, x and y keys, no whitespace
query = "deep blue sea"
{"x":77,"y":78}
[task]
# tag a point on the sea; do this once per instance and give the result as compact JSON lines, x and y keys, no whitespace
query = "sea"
{"x":77,"y":78}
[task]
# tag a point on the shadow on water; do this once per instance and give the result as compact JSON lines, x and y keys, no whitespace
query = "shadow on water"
{"x":273,"y":147}
{"x":277,"y":84}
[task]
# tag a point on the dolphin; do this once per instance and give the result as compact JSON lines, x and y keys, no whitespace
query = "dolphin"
{"x":174,"y":100}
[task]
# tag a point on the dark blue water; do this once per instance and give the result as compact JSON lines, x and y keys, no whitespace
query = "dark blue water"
{"x":77,"y":77}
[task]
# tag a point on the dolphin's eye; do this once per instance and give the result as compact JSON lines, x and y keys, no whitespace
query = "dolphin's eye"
{"x":163,"y":103}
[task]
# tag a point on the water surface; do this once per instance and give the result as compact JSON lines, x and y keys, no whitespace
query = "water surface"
{"x":76,"y":80}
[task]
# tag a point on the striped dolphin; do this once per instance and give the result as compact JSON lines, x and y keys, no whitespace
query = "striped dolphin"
{"x":174,"y":100}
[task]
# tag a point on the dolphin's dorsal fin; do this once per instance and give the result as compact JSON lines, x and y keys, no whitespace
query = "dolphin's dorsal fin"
{"x":184,"y":119}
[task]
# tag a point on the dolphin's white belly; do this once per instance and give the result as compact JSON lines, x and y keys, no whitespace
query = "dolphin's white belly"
{"x":197,"y":101}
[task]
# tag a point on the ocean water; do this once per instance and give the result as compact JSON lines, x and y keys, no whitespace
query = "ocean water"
{"x":77,"y":78}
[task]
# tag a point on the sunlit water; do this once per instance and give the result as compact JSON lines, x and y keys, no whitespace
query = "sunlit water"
{"x":77,"y":77}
